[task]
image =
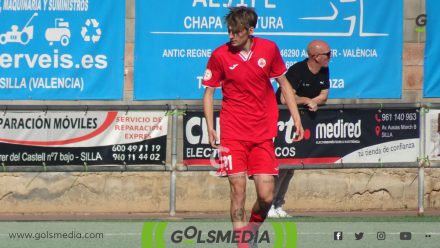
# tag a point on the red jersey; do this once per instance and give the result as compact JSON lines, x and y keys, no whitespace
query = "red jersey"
{"x":249,"y":108}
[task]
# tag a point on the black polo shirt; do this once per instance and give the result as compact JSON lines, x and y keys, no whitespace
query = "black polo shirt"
{"x":305,"y":82}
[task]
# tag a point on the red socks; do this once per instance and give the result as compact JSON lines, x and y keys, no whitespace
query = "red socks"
{"x":255,"y":221}
{"x":239,"y":233}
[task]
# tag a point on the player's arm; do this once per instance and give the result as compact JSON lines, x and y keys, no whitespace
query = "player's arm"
{"x":208,"y":109}
{"x":288,"y":94}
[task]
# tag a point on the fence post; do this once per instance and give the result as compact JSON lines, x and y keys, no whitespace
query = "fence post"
{"x":422,"y":163}
{"x":173,"y":161}
{"x":421,"y":210}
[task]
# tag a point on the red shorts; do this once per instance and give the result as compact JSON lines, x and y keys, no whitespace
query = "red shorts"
{"x":247,"y":156}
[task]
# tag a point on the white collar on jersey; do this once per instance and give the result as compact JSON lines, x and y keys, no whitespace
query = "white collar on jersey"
{"x":246,"y":56}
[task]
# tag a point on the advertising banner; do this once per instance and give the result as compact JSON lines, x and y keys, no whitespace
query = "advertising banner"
{"x":432,"y":129}
{"x":330,"y":136}
{"x":171,"y":53}
{"x":62,"y":49}
{"x":431,"y":86}
{"x":78,"y":138}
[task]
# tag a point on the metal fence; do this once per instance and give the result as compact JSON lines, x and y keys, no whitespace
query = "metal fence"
{"x":173,"y":165}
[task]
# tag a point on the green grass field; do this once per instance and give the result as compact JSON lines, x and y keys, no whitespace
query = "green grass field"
{"x":304,"y":232}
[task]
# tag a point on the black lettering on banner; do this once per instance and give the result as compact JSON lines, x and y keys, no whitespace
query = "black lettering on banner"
{"x":421,"y":20}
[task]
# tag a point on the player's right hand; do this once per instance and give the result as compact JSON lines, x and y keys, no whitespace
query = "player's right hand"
{"x":213,"y":138}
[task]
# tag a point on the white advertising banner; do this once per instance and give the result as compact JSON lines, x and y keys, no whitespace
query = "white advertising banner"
{"x":432,"y":130}
{"x":95,"y":137}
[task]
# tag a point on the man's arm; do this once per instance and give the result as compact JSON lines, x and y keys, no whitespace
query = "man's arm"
{"x":288,"y":94}
{"x":208,"y":109}
{"x":311,"y":103}
{"x":321,"y":99}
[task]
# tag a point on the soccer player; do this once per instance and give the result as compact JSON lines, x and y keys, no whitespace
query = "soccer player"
{"x":243,"y":68}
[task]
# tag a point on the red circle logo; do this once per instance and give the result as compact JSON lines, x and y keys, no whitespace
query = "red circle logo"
{"x":307,"y":134}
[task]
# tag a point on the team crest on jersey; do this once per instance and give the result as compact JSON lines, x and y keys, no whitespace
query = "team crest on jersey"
{"x":261,"y":62}
{"x":208,"y":75}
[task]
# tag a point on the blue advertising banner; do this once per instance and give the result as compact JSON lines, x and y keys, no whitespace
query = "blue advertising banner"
{"x":173,"y":47}
{"x":431,"y":85}
{"x":62,"y":49}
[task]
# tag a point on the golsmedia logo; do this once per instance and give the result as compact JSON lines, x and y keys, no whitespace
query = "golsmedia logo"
{"x":201,"y":234}
{"x":191,"y":235}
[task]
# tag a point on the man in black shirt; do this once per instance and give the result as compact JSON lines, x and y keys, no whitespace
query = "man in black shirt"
{"x":310,"y":82}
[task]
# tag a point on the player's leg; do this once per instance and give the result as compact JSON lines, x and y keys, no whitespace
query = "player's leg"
{"x":237,"y":184}
{"x":234,"y":159}
{"x":263,"y":169}
{"x":264,"y":186}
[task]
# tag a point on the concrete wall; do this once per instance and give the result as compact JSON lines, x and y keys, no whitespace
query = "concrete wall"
{"x":332,"y":190}
{"x":365,"y":189}
{"x":131,"y":192}
{"x":83,"y":192}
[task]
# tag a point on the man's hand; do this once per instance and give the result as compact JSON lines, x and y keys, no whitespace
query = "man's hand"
{"x":299,"y":131}
{"x":213,"y":138}
{"x":312,"y":106}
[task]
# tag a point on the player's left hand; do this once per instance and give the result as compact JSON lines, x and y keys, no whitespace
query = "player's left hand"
{"x":299,"y":131}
